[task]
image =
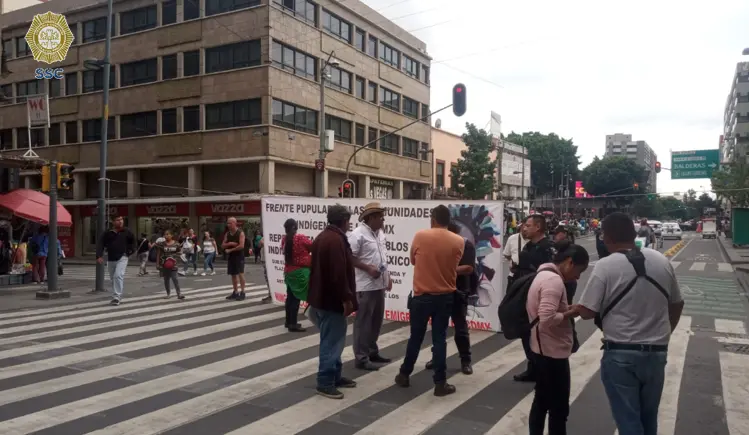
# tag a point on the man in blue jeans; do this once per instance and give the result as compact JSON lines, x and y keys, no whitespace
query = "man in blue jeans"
{"x":119,"y":243}
{"x":332,"y":298}
{"x":637,"y":310}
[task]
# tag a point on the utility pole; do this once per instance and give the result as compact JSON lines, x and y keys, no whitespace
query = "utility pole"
{"x":320,"y":163}
{"x":567,"y":192}
{"x":522,"y":182}
{"x":52,"y":292}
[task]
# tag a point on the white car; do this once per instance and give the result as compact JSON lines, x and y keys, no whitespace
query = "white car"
{"x":671,"y":230}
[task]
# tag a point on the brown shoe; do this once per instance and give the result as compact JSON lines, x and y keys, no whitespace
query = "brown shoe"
{"x":402,"y":380}
{"x":443,"y":389}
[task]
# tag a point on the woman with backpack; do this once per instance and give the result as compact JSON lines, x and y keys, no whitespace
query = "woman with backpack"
{"x":167,"y":255}
{"x":551,"y":338}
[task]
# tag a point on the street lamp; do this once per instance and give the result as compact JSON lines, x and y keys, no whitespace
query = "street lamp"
{"x":522,"y":190}
{"x":320,"y":165}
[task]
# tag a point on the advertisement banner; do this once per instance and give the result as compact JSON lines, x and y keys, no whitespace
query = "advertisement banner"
{"x":480,"y":222}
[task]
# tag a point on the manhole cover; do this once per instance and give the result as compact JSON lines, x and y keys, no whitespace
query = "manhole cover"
{"x":737,"y":348}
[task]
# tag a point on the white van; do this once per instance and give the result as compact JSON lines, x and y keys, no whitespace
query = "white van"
{"x":709,"y":229}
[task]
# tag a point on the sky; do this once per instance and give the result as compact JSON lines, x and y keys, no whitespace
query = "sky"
{"x":659,"y":70}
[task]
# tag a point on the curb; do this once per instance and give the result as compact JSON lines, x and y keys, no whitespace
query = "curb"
{"x":670,"y":252}
{"x":742,"y":276}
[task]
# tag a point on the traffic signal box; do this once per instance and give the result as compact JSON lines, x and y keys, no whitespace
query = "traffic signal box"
{"x":459,"y":99}
{"x":657,"y":167}
{"x":64,"y":173}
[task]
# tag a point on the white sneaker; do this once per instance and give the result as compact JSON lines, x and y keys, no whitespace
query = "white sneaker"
{"x":202,"y":274}
{"x":213,"y":273}
{"x":195,"y":273}
{"x":180,"y":273}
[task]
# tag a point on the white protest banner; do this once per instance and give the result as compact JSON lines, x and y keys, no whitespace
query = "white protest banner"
{"x":37,"y":108}
{"x":479,"y":221}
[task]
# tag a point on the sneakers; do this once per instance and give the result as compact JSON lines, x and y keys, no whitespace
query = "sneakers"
{"x":233,"y":296}
{"x":180,"y":296}
{"x":181,"y":273}
{"x":329,"y":392}
{"x":213,"y":273}
{"x":465,"y":367}
{"x":202,"y":274}
{"x":241,"y":296}
{"x":345,"y":383}
{"x":114,"y":302}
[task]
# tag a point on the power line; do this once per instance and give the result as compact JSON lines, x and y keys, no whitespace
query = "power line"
{"x":471,"y":75}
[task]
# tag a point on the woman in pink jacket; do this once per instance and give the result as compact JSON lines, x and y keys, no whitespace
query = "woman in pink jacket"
{"x":551,"y":337}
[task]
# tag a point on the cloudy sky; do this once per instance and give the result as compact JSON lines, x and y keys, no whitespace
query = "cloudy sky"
{"x":660,"y":70}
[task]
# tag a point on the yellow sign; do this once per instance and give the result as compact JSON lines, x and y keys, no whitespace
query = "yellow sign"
{"x":49,"y":37}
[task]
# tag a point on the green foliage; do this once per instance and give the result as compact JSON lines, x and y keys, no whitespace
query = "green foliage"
{"x":473,"y":177}
{"x":547,"y":153}
{"x":729,"y":179}
{"x":615,"y":176}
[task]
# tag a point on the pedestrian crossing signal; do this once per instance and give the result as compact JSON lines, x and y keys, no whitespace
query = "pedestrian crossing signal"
{"x":65,"y":178}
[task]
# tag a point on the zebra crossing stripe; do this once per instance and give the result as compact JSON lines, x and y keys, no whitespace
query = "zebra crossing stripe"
{"x":697,"y":266}
{"x":677,"y":354}
{"x":675,"y":264}
{"x":725,"y":326}
{"x":294,"y":419}
{"x":725,"y":267}
{"x":735,"y":378}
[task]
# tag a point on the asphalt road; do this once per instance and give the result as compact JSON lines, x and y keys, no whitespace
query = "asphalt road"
{"x":210,"y":366}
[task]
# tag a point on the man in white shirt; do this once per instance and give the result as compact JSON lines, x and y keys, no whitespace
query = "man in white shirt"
{"x":514,"y":245}
{"x":372,"y":282}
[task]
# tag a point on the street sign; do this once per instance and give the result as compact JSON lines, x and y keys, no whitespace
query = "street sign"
{"x":694,"y":164}
{"x":320,"y":164}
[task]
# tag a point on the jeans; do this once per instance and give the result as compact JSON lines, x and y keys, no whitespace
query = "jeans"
{"x":170,"y":275}
{"x":117,"y":275}
{"x":191,"y":261}
{"x":552,"y":396}
{"x":208,"y":261}
{"x":438,"y":307}
{"x":633,"y":381}
{"x":143,"y":258}
{"x":333,"y":328}
{"x":292,"y":309}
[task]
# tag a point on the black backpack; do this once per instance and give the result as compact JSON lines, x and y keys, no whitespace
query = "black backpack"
{"x":637,"y":260}
{"x":513,"y":315}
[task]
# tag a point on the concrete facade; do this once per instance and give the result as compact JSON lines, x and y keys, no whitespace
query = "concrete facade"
{"x":735,"y":143}
{"x":622,"y":145}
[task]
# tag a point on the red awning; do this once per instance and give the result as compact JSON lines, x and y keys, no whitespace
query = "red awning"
{"x":34,"y":206}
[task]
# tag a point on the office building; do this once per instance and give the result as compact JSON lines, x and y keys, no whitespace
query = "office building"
{"x":735,"y":141}
{"x":622,"y":145}
{"x":215,"y":103}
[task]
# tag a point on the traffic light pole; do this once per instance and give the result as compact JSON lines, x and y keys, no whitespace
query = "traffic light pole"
{"x":52,"y":292}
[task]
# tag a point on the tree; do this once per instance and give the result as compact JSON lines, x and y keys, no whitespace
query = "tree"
{"x":673,"y":208}
{"x":473,"y":177}
{"x":729,"y":181}
{"x":615,"y":176}
{"x":549,"y":155}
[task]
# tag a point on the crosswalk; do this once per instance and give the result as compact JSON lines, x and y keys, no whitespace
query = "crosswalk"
{"x":88,"y":273}
{"x":206,"y":365}
{"x":701,"y":266}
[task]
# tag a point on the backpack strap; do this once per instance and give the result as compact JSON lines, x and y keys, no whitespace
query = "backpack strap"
{"x":534,"y":322}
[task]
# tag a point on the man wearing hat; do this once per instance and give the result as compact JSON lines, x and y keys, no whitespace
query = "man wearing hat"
{"x":367,"y":242}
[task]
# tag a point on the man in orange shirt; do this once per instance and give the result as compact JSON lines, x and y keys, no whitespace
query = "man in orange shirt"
{"x":435,"y":255}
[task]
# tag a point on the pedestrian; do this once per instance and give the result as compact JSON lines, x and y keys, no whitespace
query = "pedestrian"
{"x":332,"y":298}
{"x":268,"y":299}
{"x":119,"y":243}
{"x":368,"y":246}
{"x":296,"y":270}
{"x":144,"y":246}
{"x":256,"y":238}
{"x":190,"y":251}
{"x":465,"y":285}
{"x":562,"y":238}
{"x":513,"y":246}
{"x":39,"y":246}
{"x":209,"y":253}
{"x":636,"y":301}
{"x":233,"y":246}
{"x":166,"y":258}
{"x":552,"y":337}
{"x":435,"y":255}
{"x":538,"y":250}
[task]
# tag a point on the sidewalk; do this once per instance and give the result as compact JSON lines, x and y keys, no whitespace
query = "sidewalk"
{"x":739,"y":258}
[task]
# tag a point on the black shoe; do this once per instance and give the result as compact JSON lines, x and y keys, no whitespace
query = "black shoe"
{"x":180,"y":296}
{"x":429,"y":365}
{"x":345,"y":383}
{"x":466,"y":368}
{"x":379,"y":359}
{"x":114,"y":302}
{"x":329,"y":392}
{"x":241,"y":296}
{"x":267,"y":300}
{"x":402,"y":380}
{"x":366,"y":366}
{"x":232,"y":297}
{"x":524,"y":377}
{"x":296,"y":328}
{"x":443,"y":389}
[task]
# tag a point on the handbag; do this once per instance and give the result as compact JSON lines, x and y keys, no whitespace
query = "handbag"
{"x":170,"y":263}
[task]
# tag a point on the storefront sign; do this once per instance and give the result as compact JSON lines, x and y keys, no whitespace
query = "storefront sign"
{"x":479,"y":222}
{"x":66,"y":235}
{"x":248,"y":208}
{"x":182,"y":209}
{"x":113,"y":210}
{"x":381,"y":189}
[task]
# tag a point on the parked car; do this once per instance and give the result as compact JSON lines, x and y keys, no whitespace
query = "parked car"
{"x":671,"y":230}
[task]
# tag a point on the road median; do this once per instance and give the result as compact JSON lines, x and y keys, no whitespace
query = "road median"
{"x":670,"y":252}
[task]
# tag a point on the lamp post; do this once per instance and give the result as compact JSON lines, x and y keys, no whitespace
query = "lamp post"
{"x":522,"y":190}
{"x":320,"y":164}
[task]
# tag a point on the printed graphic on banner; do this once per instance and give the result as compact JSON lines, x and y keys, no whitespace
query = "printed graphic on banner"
{"x":479,"y":222}
{"x":49,"y":37}
{"x":38,"y":111}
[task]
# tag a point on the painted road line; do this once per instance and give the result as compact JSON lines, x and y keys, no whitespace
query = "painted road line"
{"x":697,"y":266}
{"x":675,"y":264}
{"x":730,"y":327}
{"x":735,"y":378}
{"x":725,"y":267}
{"x":734,"y":341}
{"x":677,"y":353}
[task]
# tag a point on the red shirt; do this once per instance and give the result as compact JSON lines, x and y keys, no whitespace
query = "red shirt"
{"x":300,"y":252}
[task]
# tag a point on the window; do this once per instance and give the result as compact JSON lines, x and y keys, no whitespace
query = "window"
{"x":425,"y":113}
{"x":390,"y":99}
{"x":190,"y":63}
{"x":136,"y":73}
{"x":410,"y":108}
{"x":6,"y":139}
{"x":71,"y":132}
{"x":138,"y":20}
{"x":440,"y":178}
{"x":360,"y":88}
{"x":339,"y":79}
{"x":92,"y":130}
{"x":191,"y":118}
{"x":424,"y":151}
{"x":168,"y":121}
{"x":389,"y":55}
{"x":294,"y":61}
{"x":232,"y":56}
{"x":213,"y":7}
{"x":8,"y":49}
{"x":94,"y":80}
{"x":359,"y":139}
{"x":31,"y":87}
{"x":336,"y":26}
{"x":22,"y":48}
{"x":96,"y":30}
{"x":6,"y":94}
{"x":372,"y":138}
{"x":303,"y":9}
{"x":169,"y":67}
{"x":389,"y":144}
{"x":410,"y":67}
{"x":192,"y":10}
{"x":372,"y":98}
{"x":233,"y":114}
{"x":138,"y":124}
{"x":169,"y":12}
{"x":55,"y":88}
{"x":425,"y":74}
{"x":294,"y":117}
{"x":410,"y":148}
{"x":71,"y":83}
{"x":359,"y":40}
{"x":341,"y":127}
{"x":372,"y":46}
{"x":37,"y":137}
{"x":55,"y":134}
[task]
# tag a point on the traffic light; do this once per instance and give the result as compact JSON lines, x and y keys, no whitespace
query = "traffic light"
{"x":45,"y":178}
{"x":459,"y":99}
{"x":347,"y":191}
{"x":657,"y":167}
{"x":65,"y":176}
{"x":636,"y":186}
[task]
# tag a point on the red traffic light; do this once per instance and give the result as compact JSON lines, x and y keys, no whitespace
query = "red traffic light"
{"x":458,"y":89}
{"x":657,"y":167}
{"x":347,"y":186}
